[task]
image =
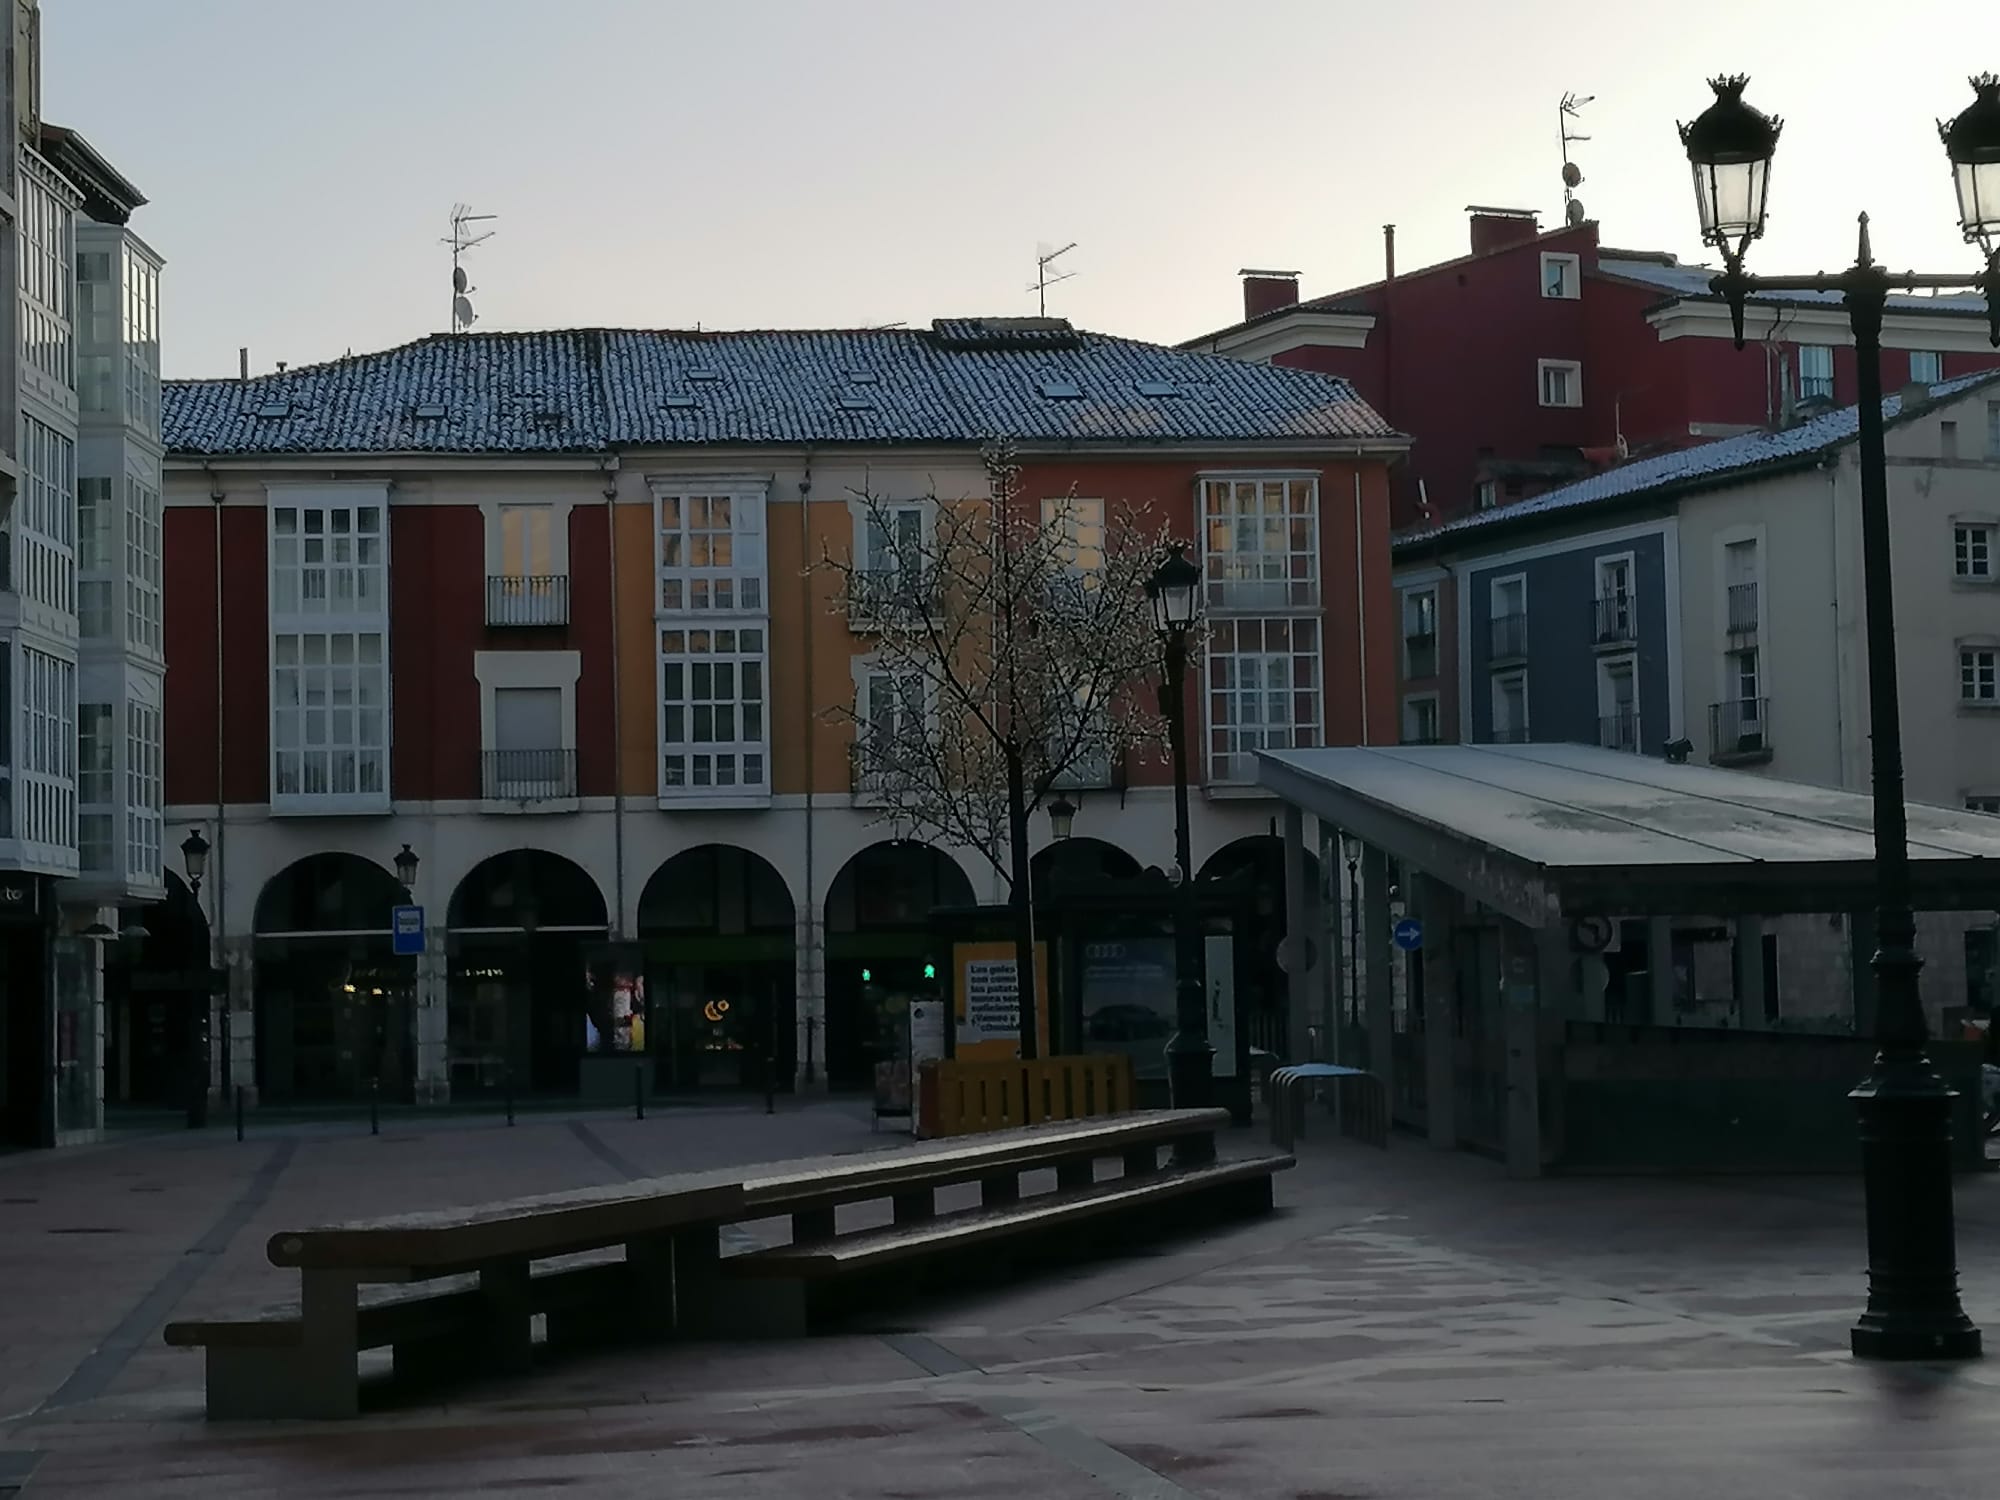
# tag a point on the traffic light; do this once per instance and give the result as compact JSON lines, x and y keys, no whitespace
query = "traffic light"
{"x":867,"y":976}
{"x":930,"y":971}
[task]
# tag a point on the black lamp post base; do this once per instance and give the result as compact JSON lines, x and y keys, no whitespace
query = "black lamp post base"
{"x":1914,"y":1339}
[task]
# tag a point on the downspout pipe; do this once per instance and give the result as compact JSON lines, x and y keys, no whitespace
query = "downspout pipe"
{"x":814,"y":931}
{"x":218,"y":853}
{"x":1360,"y":609}
{"x":608,"y":466}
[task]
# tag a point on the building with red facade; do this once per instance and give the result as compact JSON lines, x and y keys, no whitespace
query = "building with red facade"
{"x":541,"y":609}
{"x":1539,"y":358}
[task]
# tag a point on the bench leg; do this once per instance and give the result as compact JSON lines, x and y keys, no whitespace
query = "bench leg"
{"x":915,"y":1206}
{"x":810,"y":1226}
{"x":1075,"y":1174}
{"x":508,"y":1316}
{"x":651,"y":1308}
{"x":429,"y":1362}
{"x":314,"y":1378}
{"x":1194,"y":1150}
{"x":1005,"y":1188}
{"x":1142,"y":1161}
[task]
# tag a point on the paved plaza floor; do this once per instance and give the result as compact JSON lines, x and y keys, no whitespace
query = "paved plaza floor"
{"x":1408,"y":1326}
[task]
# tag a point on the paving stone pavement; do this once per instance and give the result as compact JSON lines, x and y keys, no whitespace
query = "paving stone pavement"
{"x":1409,"y":1326}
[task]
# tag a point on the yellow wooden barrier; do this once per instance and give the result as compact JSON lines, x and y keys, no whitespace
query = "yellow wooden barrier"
{"x":961,"y":1098}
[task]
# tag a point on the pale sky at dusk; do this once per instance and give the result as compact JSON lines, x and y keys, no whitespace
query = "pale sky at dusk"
{"x":785,"y":163}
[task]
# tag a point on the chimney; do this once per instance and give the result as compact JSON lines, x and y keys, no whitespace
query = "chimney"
{"x":1497,"y":228}
{"x":243,"y":363}
{"x":1268,"y":291}
{"x":1388,"y":252}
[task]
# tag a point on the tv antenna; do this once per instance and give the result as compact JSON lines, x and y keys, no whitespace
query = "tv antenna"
{"x":1044,"y":259}
{"x":462,"y":239}
{"x":1572,"y":174}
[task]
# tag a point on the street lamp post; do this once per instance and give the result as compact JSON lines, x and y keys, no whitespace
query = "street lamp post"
{"x":1904,"y":1106}
{"x":1175,"y":591}
{"x":194,"y":859}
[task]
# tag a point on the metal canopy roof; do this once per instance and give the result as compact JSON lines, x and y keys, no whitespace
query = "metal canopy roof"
{"x":1546,"y":833}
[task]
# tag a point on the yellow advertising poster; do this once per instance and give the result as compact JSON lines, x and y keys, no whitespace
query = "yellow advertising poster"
{"x":986,"y":1000}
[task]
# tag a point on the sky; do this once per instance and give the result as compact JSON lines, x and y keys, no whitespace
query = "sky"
{"x":843,"y":163}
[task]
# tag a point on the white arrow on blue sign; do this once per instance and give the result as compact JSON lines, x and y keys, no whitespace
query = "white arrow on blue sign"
{"x":1409,"y":934}
{"x":406,"y":931}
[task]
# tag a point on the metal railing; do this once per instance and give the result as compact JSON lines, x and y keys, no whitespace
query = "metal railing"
{"x":1617,"y":620}
{"x":874,"y":773}
{"x":1508,"y":636}
{"x":1742,"y":609}
{"x":1422,"y":650}
{"x":879,"y":596}
{"x":528,"y":775}
{"x":1619,"y":731}
{"x":1739,"y":728}
{"x":516,"y":602}
{"x":1509,"y":734}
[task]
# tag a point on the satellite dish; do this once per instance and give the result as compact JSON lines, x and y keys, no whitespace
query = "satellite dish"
{"x":1574,"y":212}
{"x":1572,"y":174}
{"x":461,"y":311}
{"x":458,"y":278}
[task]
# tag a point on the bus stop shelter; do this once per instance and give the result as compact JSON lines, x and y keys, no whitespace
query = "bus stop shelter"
{"x":1522,"y":864}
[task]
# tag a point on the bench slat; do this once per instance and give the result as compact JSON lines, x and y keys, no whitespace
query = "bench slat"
{"x":872,"y":1247}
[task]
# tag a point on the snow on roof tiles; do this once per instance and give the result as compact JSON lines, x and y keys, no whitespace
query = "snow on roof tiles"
{"x":578,"y":390}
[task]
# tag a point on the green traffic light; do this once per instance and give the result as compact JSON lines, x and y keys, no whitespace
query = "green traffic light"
{"x":930,"y":971}
{"x":867,"y":975}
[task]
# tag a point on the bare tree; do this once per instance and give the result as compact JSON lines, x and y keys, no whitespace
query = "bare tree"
{"x":1011,"y":638}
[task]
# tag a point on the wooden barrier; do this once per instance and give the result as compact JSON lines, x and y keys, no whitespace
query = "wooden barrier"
{"x":961,"y":1098}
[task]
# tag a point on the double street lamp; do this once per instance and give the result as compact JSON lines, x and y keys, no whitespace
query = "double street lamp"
{"x":1913,"y":1309}
{"x":1175,"y":592}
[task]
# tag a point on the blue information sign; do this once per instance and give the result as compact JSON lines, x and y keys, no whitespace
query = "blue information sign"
{"x":406,"y":931}
{"x":1409,"y":934}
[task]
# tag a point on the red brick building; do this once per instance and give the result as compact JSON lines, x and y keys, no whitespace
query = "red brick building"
{"x":1539,"y":358}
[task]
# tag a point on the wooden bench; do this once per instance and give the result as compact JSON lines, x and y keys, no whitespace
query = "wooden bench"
{"x":461,"y":1288}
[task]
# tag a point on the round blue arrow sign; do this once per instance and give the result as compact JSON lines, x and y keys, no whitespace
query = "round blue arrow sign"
{"x":1409,"y":934}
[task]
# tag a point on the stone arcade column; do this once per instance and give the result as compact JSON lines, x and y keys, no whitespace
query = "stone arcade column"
{"x":430,"y":1020}
{"x":1434,"y":907}
{"x":809,"y":957}
{"x":1376,"y":978}
{"x":240,"y":1069}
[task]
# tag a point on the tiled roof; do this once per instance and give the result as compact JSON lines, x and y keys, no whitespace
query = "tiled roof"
{"x":1709,"y":466}
{"x":580,"y":390}
{"x":1692,"y":281}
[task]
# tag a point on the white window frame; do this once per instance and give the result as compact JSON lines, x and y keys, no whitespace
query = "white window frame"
{"x":1570,"y":287}
{"x":1485,"y":494}
{"x":1979,"y":658}
{"x":144,"y":801}
{"x":687,"y":590}
{"x":44,"y":757}
{"x":1500,"y":682}
{"x":1605,"y":565}
{"x":1494,"y":587}
{"x":97,"y":800}
{"x":1230,"y":742}
{"x":875,"y":590}
{"x":1973,"y":550}
{"x":1933,"y":363}
{"x":1417,"y":701}
{"x":749,"y":756}
{"x":1083,"y":519}
{"x":1572,"y":370}
{"x":867,"y":670}
{"x":332,"y":618}
{"x":497,"y":671}
{"x":145,"y":561}
{"x":1259,"y":580}
{"x":1412,"y":614}
{"x":1609,"y":668}
{"x":1822,"y":354}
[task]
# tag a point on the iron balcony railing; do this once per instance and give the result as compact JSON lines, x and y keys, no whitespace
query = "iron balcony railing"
{"x":1422,"y":649}
{"x":1508,"y":636}
{"x":1620,"y":730}
{"x":527,"y":602}
{"x":873,"y":772}
{"x":1510,"y":734}
{"x":1743,"y":609}
{"x":881,"y":596}
{"x":1739,"y":729}
{"x":528,"y":775}
{"x":1617,"y":620}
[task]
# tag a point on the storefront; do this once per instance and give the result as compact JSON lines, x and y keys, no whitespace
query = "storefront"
{"x":520,"y":929}
{"x":27,"y":1019}
{"x":716,"y":931}
{"x":333,"y":1003}
{"x":157,"y":987}
{"x":879,"y":937}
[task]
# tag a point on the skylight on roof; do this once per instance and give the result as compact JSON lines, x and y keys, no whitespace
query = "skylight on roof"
{"x":430,"y":410}
{"x":275,"y":409}
{"x":863,"y":377}
{"x":704,"y":374}
{"x":1062,"y":390}
{"x":857,"y":403}
{"x":677,"y":403}
{"x":1158,"y":388}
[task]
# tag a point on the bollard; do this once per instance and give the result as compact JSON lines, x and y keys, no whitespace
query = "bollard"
{"x":239,"y":1111}
{"x":639,"y":1091}
{"x":507,"y":1081}
{"x":374,"y":1106}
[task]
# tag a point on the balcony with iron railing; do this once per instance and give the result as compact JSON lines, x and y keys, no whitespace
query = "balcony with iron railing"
{"x":883,"y":596}
{"x":1739,"y":731}
{"x":1743,"y":609}
{"x":530,"y":602}
{"x":1508,"y":734}
{"x":1507,"y":637}
{"x":1421,"y":650}
{"x":1617,"y":620}
{"x":544,"y":779}
{"x":878,"y":772}
{"x":1619,"y":730}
